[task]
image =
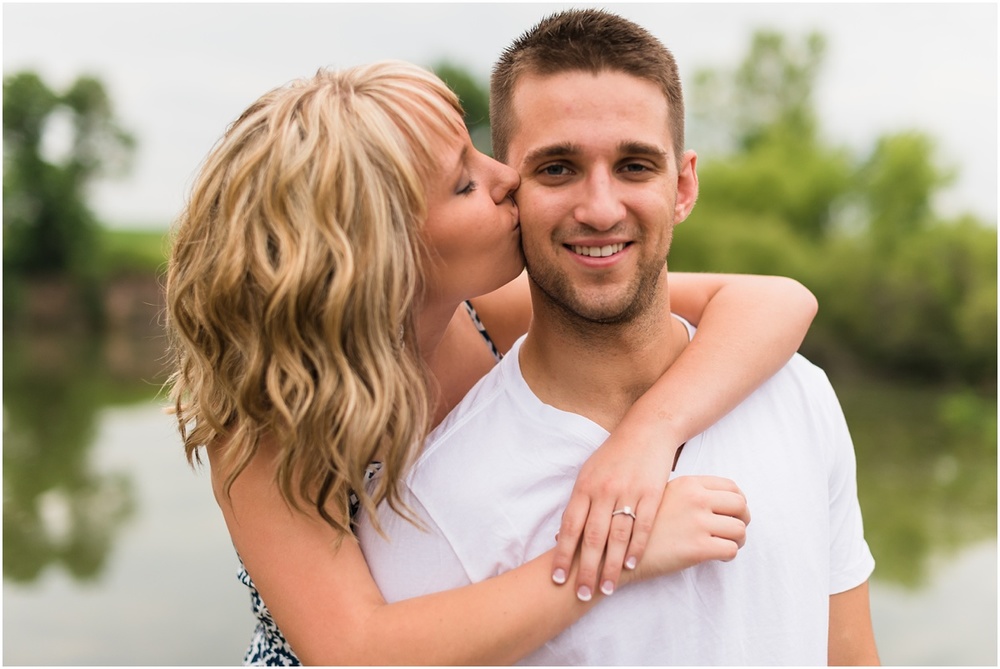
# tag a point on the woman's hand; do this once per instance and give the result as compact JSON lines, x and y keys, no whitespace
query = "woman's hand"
{"x":620,"y":475}
{"x":700,"y":518}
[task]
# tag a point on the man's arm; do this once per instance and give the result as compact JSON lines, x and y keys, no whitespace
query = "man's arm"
{"x":852,"y":639}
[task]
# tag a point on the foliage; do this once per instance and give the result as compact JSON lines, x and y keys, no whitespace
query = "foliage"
{"x":794,"y":179}
{"x":900,"y":289}
{"x":132,"y":252}
{"x":770,"y":92}
{"x":475,"y":99}
{"x":926,"y":305}
{"x":718,"y":238}
{"x":897,"y":183}
{"x":54,"y":146}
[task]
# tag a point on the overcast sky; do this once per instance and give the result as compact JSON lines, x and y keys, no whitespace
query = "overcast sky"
{"x":179,"y":73}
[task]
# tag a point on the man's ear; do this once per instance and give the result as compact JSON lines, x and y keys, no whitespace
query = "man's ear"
{"x":687,"y":186}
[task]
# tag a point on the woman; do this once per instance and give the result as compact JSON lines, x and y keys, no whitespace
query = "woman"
{"x":318,"y":298}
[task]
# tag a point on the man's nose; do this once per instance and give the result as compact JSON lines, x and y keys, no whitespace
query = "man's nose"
{"x":600,"y":205}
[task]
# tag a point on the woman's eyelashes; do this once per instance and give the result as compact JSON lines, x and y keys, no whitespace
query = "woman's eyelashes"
{"x":471,"y":186}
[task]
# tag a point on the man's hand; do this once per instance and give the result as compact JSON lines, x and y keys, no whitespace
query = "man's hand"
{"x":615,"y":478}
{"x":701,"y":518}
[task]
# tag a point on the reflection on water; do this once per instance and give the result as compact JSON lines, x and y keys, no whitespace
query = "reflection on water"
{"x":57,"y":509}
{"x":927,"y":473}
{"x":168,"y":593}
{"x":114,"y":523}
{"x":951,"y":620}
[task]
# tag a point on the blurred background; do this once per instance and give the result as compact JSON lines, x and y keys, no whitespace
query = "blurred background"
{"x":853,"y":147}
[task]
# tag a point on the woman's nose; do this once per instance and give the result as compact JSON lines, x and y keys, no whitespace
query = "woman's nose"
{"x":506,"y":183}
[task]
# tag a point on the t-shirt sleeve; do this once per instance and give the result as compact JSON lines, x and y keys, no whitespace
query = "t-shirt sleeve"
{"x":851,"y":560}
{"x":409,"y":560}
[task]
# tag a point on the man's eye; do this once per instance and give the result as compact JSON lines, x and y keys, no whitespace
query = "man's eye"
{"x":554,"y":170}
{"x":635,"y":167}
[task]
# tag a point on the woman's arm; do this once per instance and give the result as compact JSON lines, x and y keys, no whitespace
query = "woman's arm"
{"x":324,"y":600}
{"x":329,"y":609}
{"x":748,"y":328}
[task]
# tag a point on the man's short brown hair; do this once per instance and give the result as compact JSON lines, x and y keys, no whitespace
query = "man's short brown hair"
{"x":589,"y":40}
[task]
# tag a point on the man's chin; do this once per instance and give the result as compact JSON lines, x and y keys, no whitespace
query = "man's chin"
{"x":602,"y":310}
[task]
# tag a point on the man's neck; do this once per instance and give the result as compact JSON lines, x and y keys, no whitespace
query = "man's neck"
{"x":599,"y":370}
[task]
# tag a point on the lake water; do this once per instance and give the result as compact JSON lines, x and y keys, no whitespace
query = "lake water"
{"x":115,"y":552}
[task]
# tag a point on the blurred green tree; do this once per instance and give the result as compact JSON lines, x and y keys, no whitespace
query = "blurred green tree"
{"x":900,"y":288}
{"x":54,"y":146}
{"x":923,"y":302}
{"x":475,"y":99}
{"x":775,"y":162}
{"x":897,"y":184}
{"x":770,"y":91}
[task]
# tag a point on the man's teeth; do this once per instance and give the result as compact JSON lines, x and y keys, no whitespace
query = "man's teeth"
{"x":598,"y":251}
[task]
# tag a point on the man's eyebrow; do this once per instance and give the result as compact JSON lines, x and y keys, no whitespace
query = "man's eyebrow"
{"x":551,"y":151}
{"x":564,"y":149}
{"x":641,"y":148}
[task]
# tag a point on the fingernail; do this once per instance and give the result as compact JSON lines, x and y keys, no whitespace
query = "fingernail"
{"x":608,"y":588}
{"x":583,"y":593}
{"x":559,"y":576}
{"x":630,"y":563}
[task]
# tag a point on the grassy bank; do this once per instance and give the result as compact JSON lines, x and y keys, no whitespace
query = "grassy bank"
{"x":133,"y":252}
{"x":120,"y":291}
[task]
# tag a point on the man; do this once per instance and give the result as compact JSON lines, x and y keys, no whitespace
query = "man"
{"x":588,"y":108}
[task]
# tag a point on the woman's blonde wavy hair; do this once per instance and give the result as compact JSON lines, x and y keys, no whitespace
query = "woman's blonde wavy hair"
{"x":292,"y":282}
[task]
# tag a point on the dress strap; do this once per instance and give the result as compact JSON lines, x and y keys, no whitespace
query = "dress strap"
{"x":482,"y":330}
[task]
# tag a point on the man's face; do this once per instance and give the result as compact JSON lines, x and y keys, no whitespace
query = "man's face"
{"x":600,"y":190}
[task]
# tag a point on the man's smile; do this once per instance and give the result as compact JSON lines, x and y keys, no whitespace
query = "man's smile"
{"x":597,"y":251}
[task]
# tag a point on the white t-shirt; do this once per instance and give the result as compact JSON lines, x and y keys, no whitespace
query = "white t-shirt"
{"x":492,"y":482}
